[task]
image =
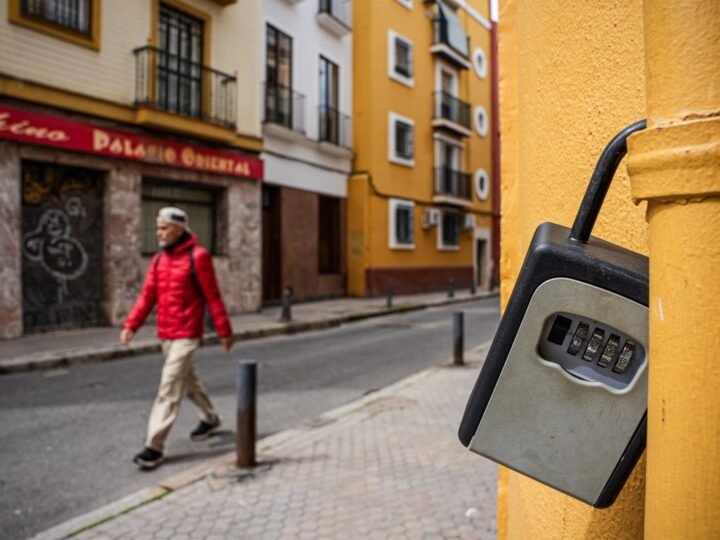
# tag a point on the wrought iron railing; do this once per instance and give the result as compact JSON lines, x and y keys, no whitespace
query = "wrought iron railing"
{"x":175,"y":84}
{"x":452,"y":183}
{"x":333,"y":127}
{"x":75,"y":15}
{"x":340,"y":10}
{"x":285,"y":107}
{"x":448,"y":107}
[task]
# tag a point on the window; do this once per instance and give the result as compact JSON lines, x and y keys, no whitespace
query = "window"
{"x":481,"y":121}
{"x":401,"y":138}
{"x":200,"y":203}
{"x":329,"y":115}
{"x":329,"y":231}
{"x":450,"y":230}
{"x":482,"y":184}
{"x":73,"y":20}
{"x":402,"y":224}
{"x":278,"y":77}
{"x":400,"y":59}
{"x":180,"y":62}
{"x":480,"y":63}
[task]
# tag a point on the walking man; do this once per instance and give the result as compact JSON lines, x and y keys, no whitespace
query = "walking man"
{"x":181,"y":281}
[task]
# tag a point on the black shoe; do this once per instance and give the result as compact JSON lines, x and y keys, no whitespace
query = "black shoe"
{"x":149,"y":458}
{"x":204,"y":430}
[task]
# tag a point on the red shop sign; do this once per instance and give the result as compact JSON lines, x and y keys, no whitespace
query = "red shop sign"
{"x":31,"y":128}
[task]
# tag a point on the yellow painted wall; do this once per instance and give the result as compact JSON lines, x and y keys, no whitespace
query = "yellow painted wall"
{"x":571,"y":76}
{"x":375,"y":96}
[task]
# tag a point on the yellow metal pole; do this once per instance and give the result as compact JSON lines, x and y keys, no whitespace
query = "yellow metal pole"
{"x":675,"y":166}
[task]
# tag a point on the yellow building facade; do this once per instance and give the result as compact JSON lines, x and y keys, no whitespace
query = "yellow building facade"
{"x":420,"y":198}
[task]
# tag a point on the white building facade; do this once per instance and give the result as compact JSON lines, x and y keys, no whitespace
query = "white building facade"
{"x":307,"y":128}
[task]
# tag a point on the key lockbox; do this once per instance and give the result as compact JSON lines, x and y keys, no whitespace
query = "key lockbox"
{"x":562,"y":396}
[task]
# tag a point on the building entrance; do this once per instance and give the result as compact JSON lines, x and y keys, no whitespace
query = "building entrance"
{"x":271,"y":244}
{"x":62,"y":246}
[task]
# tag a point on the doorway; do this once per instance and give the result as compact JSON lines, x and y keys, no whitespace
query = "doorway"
{"x":481,"y":274}
{"x":271,"y":244}
{"x":62,"y":246}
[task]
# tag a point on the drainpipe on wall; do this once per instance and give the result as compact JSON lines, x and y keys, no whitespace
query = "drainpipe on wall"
{"x":495,"y":142}
{"x":674,"y":165}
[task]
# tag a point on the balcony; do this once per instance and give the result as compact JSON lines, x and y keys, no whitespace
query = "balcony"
{"x":173,"y":84}
{"x":450,"y":41}
{"x":452,"y":187}
{"x":335,"y":16}
{"x":284,"y":108}
{"x":451,"y":113}
{"x":334,"y":130}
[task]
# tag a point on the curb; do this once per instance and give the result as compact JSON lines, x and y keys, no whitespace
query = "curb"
{"x":115,"y":352}
{"x":127,"y":504}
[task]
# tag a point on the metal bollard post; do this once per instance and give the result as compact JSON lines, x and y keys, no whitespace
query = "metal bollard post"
{"x":245,"y":431}
{"x":389,"y":299}
{"x":458,"y":338}
{"x":286,"y":315}
{"x":451,"y":288}
{"x":473,"y":287}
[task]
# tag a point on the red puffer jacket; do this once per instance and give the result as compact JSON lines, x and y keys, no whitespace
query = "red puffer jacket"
{"x":180,"y":297}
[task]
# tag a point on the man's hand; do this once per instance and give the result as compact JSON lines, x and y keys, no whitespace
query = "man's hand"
{"x":227,"y":342}
{"x":126,"y":336}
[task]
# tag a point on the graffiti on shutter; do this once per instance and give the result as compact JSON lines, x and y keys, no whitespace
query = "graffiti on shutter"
{"x":62,"y":247}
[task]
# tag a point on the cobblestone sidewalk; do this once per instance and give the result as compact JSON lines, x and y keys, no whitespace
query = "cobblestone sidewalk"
{"x":386,"y":466}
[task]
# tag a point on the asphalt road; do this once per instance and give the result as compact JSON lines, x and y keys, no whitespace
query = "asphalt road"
{"x":68,"y":436}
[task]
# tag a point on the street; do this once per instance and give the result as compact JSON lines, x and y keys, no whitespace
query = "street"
{"x":69,"y":435}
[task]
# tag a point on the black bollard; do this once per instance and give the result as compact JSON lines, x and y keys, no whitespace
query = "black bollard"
{"x":286,"y":315}
{"x":458,"y":338}
{"x":451,"y":288}
{"x":473,"y":287}
{"x":245,"y":432}
{"x":389,"y":296}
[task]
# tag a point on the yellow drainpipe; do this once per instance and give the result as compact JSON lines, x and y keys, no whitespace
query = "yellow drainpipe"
{"x":675,"y":166}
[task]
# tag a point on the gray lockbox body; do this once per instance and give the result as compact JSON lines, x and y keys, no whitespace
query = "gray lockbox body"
{"x":551,"y":425}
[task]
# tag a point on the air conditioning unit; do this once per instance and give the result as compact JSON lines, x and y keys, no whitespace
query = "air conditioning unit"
{"x":468,"y":222}
{"x":431,"y":218}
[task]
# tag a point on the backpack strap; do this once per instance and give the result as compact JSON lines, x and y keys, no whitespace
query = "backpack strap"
{"x":155,"y":262}
{"x":193,"y":275}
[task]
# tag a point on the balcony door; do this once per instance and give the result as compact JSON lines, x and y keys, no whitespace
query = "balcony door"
{"x":180,"y":62}
{"x":329,"y":113}
{"x":278,"y":77}
{"x":448,"y":83}
{"x":449,"y":155}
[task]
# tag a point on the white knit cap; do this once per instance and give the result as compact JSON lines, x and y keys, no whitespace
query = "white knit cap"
{"x":175,"y":216}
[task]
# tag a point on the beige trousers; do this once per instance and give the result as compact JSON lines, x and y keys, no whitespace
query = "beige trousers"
{"x":178,"y":380}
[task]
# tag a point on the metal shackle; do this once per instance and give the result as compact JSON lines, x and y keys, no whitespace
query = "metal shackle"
{"x":600,"y":182}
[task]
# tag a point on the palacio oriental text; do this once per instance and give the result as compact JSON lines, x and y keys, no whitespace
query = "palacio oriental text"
{"x":45,"y":130}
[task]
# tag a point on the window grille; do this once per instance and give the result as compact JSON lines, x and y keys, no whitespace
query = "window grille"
{"x":75,"y":15}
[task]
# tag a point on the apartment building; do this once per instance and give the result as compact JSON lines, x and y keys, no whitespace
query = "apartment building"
{"x":420,"y":210}
{"x":307,"y":100}
{"x":109,"y":110}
